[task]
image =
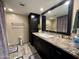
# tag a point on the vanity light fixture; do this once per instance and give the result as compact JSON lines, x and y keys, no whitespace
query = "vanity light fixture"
{"x":67,"y":2}
{"x":41,"y":9}
{"x":49,"y":12}
{"x":11,"y":10}
{"x":32,"y":16}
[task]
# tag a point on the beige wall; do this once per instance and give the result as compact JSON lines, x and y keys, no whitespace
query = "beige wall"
{"x":18,"y":29}
{"x":51,"y":25}
{"x":54,"y":25}
{"x":48,"y":25}
{"x":75,"y":8}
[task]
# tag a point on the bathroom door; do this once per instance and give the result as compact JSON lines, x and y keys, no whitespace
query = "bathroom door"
{"x":3,"y":42}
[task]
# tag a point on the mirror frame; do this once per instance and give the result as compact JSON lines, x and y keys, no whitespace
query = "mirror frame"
{"x":70,"y":12}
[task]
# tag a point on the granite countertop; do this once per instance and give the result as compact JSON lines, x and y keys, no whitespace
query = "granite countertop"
{"x":65,"y":44}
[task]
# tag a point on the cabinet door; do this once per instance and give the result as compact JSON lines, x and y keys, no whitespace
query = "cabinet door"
{"x":54,"y":53}
{"x":42,"y":47}
{"x":46,"y":49}
{"x":66,"y":55}
{"x":34,"y":24}
{"x":58,"y":55}
{"x":63,"y":54}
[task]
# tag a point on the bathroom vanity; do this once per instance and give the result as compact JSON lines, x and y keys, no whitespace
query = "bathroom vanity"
{"x":52,"y":46}
{"x":56,"y":20}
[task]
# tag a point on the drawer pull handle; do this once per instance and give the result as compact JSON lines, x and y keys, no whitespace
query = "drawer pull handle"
{"x":58,"y":52}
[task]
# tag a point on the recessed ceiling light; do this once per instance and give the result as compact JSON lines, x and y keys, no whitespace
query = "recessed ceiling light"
{"x":67,"y":2}
{"x":49,"y":11}
{"x":5,"y":8}
{"x":11,"y":10}
{"x":41,"y":9}
{"x":32,"y":16}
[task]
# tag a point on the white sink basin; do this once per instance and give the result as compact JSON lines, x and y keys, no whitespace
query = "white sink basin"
{"x":45,"y":35}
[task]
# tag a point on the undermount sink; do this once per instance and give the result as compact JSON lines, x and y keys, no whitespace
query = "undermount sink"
{"x":45,"y":35}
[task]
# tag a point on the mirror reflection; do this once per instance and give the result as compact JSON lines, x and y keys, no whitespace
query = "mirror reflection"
{"x":76,"y":23}
{"x":57,"y":19}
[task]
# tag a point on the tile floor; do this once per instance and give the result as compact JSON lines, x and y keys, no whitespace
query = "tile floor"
{"x":25,"y":52}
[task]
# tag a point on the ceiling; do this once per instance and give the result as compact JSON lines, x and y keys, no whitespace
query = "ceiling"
{"x":30,"y":5}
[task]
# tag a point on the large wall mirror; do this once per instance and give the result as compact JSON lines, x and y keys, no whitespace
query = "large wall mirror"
{"x":58,"y":18}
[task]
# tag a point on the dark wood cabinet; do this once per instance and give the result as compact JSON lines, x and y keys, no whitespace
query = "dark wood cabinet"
{"x":41,"y":47}
{"x":49,"y":51}
{"x":34,"y":20}
{"x":43,"y":23}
